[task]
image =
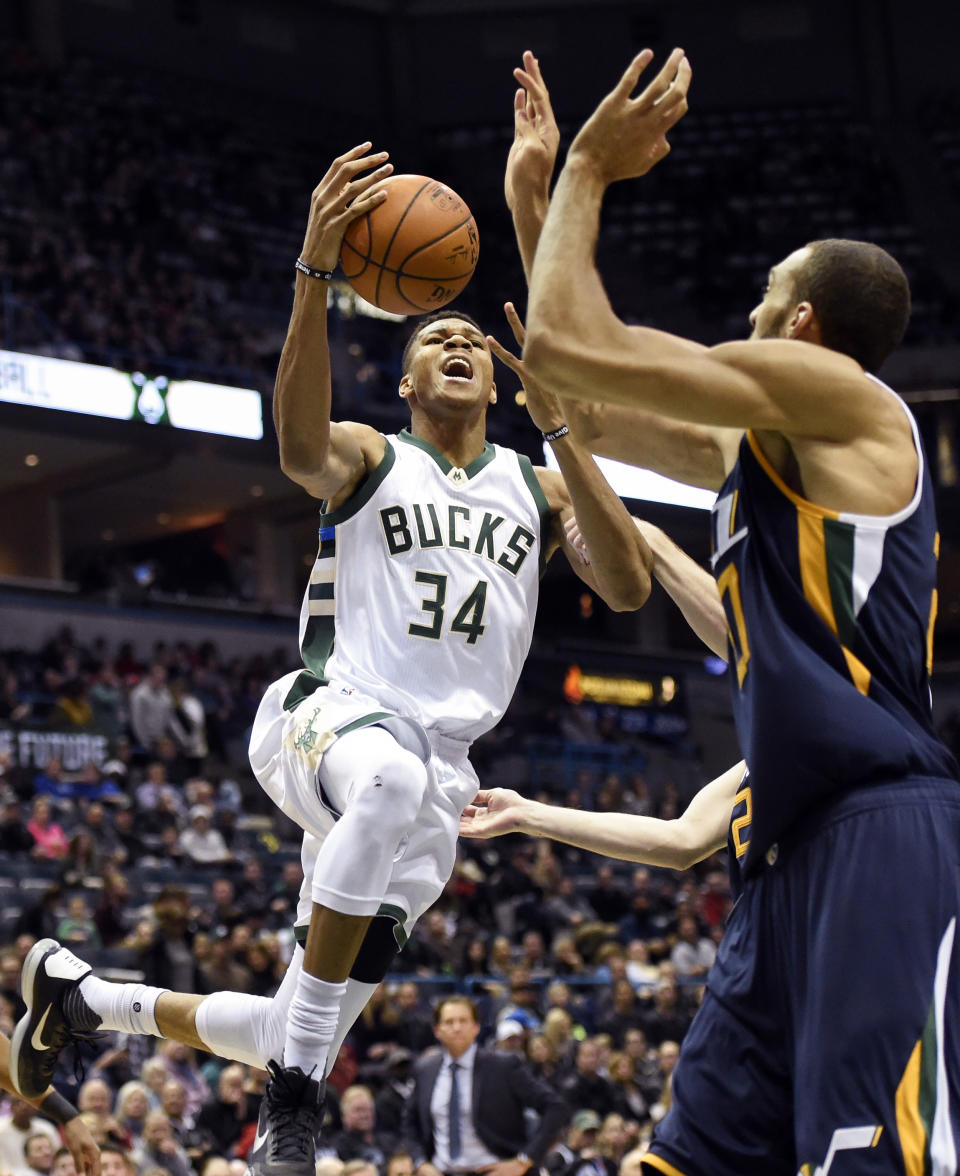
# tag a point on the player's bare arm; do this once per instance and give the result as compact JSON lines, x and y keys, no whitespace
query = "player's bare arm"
{"x":819,"y":400}
{"x":676,"y":844}
{"x":327,"y":459}
{"x":691,"y":587}
{"x":698,"y":455}
{"x":79,"y":1141}
{"x":620,"y":569}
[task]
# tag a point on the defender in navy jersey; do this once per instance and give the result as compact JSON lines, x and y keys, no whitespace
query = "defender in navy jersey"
{"x":829,"y":1037}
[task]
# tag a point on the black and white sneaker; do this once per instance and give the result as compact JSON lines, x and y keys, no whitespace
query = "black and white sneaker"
{"x":288,"y":1129}
{"x":56,"y":1015}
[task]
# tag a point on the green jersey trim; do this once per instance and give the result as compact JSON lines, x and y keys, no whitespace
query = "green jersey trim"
{"x":363,"y":493}
{"x":387,"y":910}
{"x":489,"y":453}
{"x":303,"y":686}
{"x":543,"y":507}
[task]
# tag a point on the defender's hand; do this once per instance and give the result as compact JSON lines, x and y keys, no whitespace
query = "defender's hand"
{"x":626,"y":137}
{"x":544,"y":407}
{"x":341,"y":196}
{"x":536,"y":138}
{"x":494,"y":811}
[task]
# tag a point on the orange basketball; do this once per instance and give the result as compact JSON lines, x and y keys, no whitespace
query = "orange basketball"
{"x":414,"y":252}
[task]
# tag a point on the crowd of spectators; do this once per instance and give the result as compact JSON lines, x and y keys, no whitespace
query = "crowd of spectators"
{"x":140,"y":231}
{"x":156,"y":863}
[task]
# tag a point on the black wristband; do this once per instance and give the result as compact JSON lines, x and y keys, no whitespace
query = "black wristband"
{"x":556,"y":434}
{"x":320,"y":275}
{"x":56,"y":1107}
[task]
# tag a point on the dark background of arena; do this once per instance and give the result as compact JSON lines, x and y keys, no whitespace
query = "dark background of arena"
{"x":156,"y":161}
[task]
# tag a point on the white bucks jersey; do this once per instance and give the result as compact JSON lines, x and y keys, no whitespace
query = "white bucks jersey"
{"x":424,"y":590}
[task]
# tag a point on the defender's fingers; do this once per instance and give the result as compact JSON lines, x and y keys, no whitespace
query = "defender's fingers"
{"x":631,"y":75}
{"x":482,"y":797}
{"x":513,"y":362}
{"x":661,"y":84}
{"x":516,"y":323}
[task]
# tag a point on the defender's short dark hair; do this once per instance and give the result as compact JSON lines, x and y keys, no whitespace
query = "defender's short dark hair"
{"x":861,"y":297}
{"x":449,"y":1000}
{"x":434,"y":317}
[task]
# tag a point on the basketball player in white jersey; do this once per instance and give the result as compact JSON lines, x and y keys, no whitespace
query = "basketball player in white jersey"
{"x":416,"y":622}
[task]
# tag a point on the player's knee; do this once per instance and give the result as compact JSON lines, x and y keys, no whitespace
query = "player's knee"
{"x":393,"y":789}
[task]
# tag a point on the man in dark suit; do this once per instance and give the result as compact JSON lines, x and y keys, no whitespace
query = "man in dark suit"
{"x":466,"y":1113}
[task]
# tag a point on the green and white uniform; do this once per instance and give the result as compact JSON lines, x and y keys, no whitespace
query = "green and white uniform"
{"x":417,"y":618}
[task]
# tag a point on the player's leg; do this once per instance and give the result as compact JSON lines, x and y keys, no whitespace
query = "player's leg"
{"x":731,"y":1097}
{"x":871,"y":904}
{"x":377,"y":787}
{"x":374,"y":787}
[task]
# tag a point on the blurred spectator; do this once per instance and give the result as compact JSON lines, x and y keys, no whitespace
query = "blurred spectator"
{"x":360,"y":1137}
{"x":16,"y":1128}
{"x":159,"y":1148}
{"x":667,"y":1019}
{"x":63,"y":1164}
{"x":72,"y":709}
{"x":622,"y":1073}
{"x":394,"y":1092}
{"x":606,"y":897}
{"x":133,"y":1104}
{"x":693,"y":954}
{"x":641,"y":973}
{"x":39,"y":919}
{"x":188,"y":723}
{"x":130,"y":848}
{"x":15,"y":837}
{"x":49,"y":839}
{"x":155,"y":786}
{"x":578,"y":1143}
{"x":667,"y":1057}
{"x":510,"y":1037}
{"x":199,"y":841}
{"x":222,"y":972}
{"x":625,"y":1014}
{"x":10,"y":983}
{"x":78,"y":929}
{"x":181,"y":1065}
{"x":233,"y":1109}
{"x":414,"y":1024}
{"x":110,"y":915}
{"x":586,"y":1087}
{"x":38,"y":1151}
{"x":151,"y":708}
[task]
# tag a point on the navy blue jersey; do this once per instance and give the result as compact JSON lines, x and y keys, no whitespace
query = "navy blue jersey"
{"x":830,"y":619}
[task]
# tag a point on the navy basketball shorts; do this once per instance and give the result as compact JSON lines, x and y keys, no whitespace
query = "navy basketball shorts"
{"x":828,"y":1040}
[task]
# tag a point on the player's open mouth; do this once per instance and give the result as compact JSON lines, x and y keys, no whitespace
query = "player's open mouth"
{"x":457,"y":367}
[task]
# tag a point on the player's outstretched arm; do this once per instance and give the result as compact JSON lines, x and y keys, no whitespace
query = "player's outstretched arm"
{"x":321,"y":457}
{"x":79,"y":1141}
{"x":692,"y":589}
{"x":676,"y":844}
{"x":693,"y":454}
{"x":532,"y":157}
{"x":577,"y":345}
{"x":620,"y":565}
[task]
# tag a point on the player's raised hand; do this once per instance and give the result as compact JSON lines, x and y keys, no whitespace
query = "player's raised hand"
{"x":536,"y":138}
{"x":494,"y":811}
{"x":342,"y":195}
{"x":627,"y":136}
{"x":544,"y":407}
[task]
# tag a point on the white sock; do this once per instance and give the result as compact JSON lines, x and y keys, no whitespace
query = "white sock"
{"x":312,"y":1023}
{"x":125,"y":1008}
{"x":351,"y":1007}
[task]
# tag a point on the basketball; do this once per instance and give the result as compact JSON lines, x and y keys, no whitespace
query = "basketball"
{"x":414,"y":252}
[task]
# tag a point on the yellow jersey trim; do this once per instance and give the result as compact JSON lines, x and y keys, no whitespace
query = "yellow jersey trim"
{"x":802,"y":504}
{"x":910,"y":1128}
{"x":652,"y":1160}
